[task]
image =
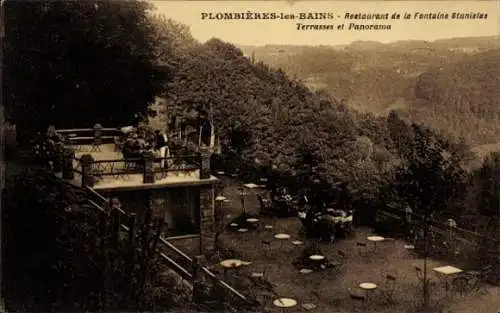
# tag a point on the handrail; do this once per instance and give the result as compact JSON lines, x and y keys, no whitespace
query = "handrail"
{"x":138,"y":159}
{"x":73,"y":130}
{"x":223,"y":283}
{"x":176,"y":265}
{"x":173,"y":248}
{"x":440,"y":225}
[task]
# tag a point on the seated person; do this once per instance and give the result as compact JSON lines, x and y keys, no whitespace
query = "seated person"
{"x":160,"y":140}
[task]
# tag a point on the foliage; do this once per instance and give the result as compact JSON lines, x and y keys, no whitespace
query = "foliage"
{"x":70,"y":242}
{"x":68,"y":63}
{"x":265,"y":117}
{"x":430,"y":179}
{"x":487,"y":179}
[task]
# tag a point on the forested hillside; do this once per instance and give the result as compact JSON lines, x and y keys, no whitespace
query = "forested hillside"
{"x":376,"y":77}
{"x":266,"y":117}
{"x":463,"y":97}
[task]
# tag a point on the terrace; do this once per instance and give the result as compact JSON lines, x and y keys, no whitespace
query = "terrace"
{"x":100,"y":163}
{"x":392,"y":268}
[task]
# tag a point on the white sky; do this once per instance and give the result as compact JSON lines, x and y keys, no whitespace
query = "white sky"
{"x":261,"y":32}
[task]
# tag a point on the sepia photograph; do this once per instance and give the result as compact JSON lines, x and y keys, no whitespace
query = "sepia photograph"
{"x":250,"y":156}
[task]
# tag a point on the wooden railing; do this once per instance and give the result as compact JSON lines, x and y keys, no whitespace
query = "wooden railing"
{"x":185,"y":269}
{"x":439,"y":226}
{"x":449,"y":242}
{"x":81,"y":136}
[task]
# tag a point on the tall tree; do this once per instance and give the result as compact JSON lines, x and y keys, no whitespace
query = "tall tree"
{"x":76,"y":63}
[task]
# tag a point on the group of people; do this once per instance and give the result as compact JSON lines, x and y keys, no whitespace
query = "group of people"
{"x":327,"y":224}
{"x":138,"y":141}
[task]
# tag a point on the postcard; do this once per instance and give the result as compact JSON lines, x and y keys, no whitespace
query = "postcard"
{"x":250,"y":156}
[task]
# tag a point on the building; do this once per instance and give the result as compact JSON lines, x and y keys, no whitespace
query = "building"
{"x":179,"y":189}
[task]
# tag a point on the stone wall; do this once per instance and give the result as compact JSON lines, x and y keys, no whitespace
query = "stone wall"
{"x":207,"y":205}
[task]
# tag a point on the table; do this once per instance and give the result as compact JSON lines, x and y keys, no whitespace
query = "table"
{"x":220,"y":198}
{"x":285,"y":303}
{"x":297,"y":242}
{"x":282,"y":237}
{"x":375,"y":239}
{"x":242,"y":230}
{"x":306,"y":271}
{"x":317,"y":257}
{"x":251,"y":185}
{"x":220,"y":173}
{"x":233,"y":224}
{"x":230,"y":264}
{"x":446,"y":272}
{"x":368,"y":288}
{"x":252,"y":220}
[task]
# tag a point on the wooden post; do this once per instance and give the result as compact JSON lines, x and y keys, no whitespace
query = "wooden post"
{"x":131,"y":226}
{"x":68,"y":157}
{"x":196,"y":282}
{"x":87,"y":175}
{"x":204,"y":158}
{"x":148,"y":175}
{"x":97,"y":134}
{"x":102,"y":223}
{"x":115,"y":207}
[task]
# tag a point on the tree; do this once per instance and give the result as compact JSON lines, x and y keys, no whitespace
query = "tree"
{"x":430,"y":179}
{"x":71,"y":259}
{"x":76,"y":63}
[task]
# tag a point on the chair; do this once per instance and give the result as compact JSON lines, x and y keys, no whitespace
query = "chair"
{"x":358,"y":301}
{"x":388,"y":288}
{"x":266,"y":246}
{"x":462,"y":283}
{"x":480,"y":284}
{"x":265,"y":207}
{"x":260,"y":273}
{"x":310,"y":303}
{"x":362,"y":250}
{"x":420,"y":273}
{"x":96,"y":145}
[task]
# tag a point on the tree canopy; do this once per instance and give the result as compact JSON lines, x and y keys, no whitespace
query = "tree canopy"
{"x":77,"y":63}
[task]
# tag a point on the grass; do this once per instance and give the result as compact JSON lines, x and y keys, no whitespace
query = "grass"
{"x":330,"y":289}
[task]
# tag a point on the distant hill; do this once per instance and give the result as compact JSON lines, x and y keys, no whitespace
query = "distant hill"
{"x":464,"y":95}
{"x":379,"y":77}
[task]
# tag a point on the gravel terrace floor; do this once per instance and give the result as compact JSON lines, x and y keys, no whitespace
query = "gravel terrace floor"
{"x":333,"y":288}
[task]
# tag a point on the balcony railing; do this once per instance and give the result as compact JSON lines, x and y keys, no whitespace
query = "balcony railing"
{"x":98,"y":161}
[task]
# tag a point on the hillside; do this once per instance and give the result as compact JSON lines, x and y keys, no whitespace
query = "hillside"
{"x":378,"y":77}
{"x":463,"y":97}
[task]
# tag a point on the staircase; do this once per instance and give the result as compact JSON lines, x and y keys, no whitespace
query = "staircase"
{"x":183,"y":265}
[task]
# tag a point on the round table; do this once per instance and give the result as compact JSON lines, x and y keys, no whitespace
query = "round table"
{"x":306,"y":271}
{"x":317,"y":257}
{"x":220,"y":198}
{"x":233,"y":224}
{"x":230,"y":264}
{"x":318,"y":261}
{"x":243,"y":230}
{"x":252,"y":220}
{"x":285,"y":303}
{"x":368,"y":288}
{"x":297,"y":242}
{"x":375,"y":239}
{"x":282,"y":237}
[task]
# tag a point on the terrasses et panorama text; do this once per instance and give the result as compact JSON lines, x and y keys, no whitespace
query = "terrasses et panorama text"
{"x":348,"y":20}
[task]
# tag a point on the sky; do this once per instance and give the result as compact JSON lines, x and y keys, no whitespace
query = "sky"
{"x":262,"y":32}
